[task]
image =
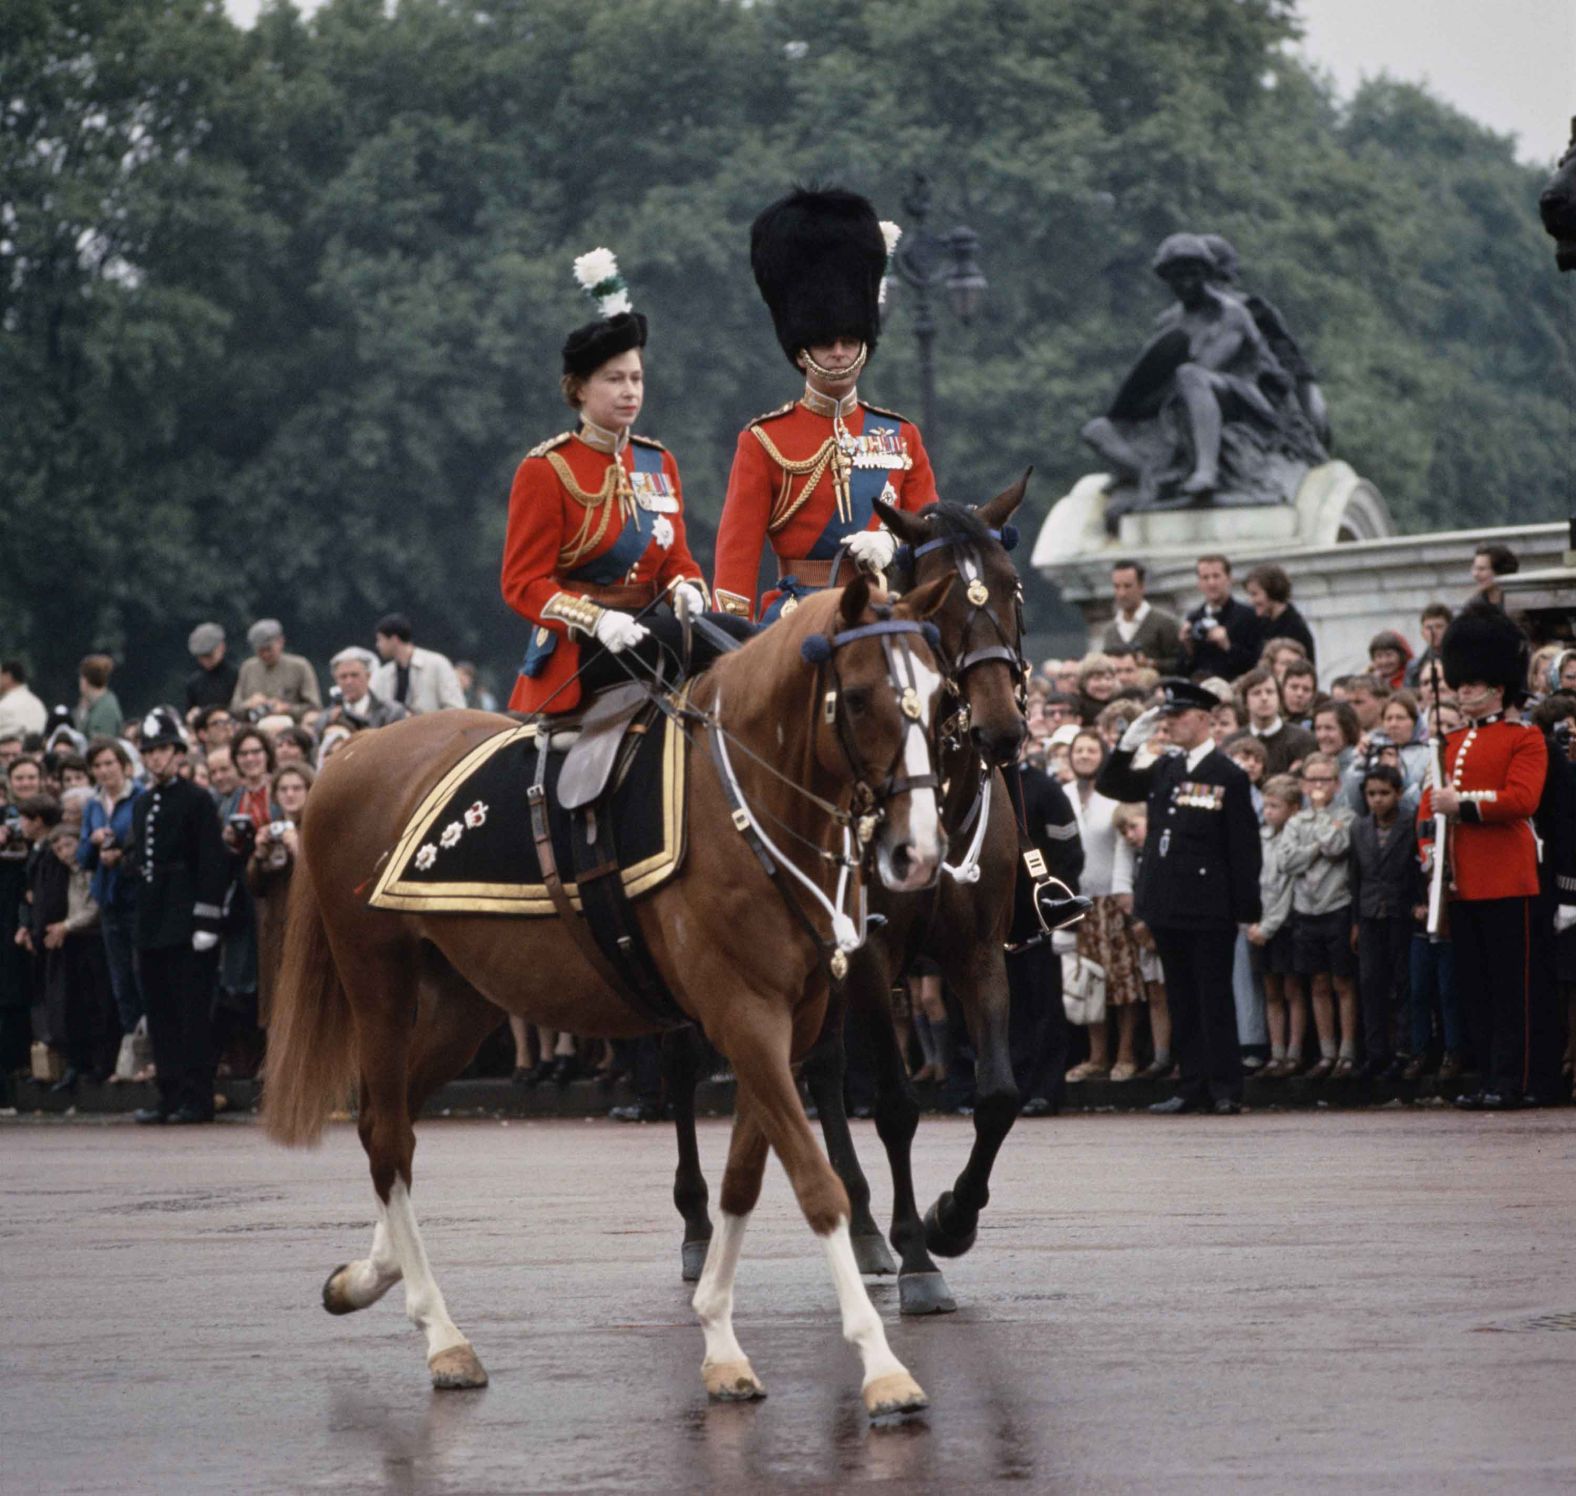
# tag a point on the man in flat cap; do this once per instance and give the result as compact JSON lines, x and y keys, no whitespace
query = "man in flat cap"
{"x":212,"y":683}
{"x":1197,"y":886}
{"x":272,"y":681}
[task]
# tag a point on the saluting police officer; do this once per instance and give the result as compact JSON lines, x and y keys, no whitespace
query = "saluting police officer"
{"x":1199,"y":884}
{"x":177,"y":856}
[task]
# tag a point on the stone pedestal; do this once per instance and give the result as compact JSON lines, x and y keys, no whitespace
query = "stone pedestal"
{"x":1351,"y":574}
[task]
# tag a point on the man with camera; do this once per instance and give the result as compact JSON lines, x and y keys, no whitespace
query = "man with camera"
{"x":352,"y":700}
{"x":176,"y":854}
{"x":1221,"y":636}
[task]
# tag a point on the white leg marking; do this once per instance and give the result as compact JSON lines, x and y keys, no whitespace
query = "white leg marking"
{"x":367,"y":1280}
{"x":423,"y":1298}
{"x":862,"y":1326}
{"x":713,"y":1301}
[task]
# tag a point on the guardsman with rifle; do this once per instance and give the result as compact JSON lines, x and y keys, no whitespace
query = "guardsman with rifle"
{"x":596,"y":523}
{"x":1198,"y":885}
{"x":806,"y":476}
{"x":1493,"y":780}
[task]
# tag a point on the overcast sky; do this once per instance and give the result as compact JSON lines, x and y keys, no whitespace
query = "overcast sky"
{"x":1509,"y":63}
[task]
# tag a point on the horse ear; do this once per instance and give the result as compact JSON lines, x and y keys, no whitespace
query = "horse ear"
{"x":925,"y":602}
{"x":856,"y":598}
{"x":1001,"y":509}
{"x":908,"y":528}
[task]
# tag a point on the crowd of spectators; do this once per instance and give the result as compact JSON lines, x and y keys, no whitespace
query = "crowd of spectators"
{"x":1337,"y":766}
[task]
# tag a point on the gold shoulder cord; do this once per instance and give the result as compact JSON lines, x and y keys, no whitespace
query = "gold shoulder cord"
{"x":816,"y":464}
{"x":614,"y":482}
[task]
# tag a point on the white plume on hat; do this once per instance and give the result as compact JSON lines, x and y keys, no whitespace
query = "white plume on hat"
{"x":891,"y":232}
{"x":600,"y":278}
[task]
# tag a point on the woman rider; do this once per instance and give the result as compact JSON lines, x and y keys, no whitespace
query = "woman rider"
{"x":596,"y":525}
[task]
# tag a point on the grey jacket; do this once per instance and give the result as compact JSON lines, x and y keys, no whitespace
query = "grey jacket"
{"x":1274,"y":881}
{"x":1315,"y":854}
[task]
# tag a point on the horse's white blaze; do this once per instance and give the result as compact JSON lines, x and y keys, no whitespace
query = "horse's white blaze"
{"x":924,"y":820}
{"x":713,"y":1301}
{"x":367,"y":1280}
{"x":862,"y":1326}
{"x":424,"y":1304}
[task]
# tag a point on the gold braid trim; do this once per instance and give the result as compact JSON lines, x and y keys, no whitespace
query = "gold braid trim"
{"x":598,"y":512}
{"x":814,"y":465}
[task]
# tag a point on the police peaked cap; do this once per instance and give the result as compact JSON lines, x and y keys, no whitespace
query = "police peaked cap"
{"x":818,"y":255}
{"x":1482,"y":644}
{"x":1178,"y":695}
{"x":162,"y":725}
{"x":587,"y":348}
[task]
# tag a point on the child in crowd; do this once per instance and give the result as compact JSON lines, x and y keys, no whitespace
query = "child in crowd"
{"x":1132,"y":824}
{"x":1386,"y":886}
{"x":1318,"y":840}
{"x":1272,"y":939}
{"x":1249,"y":755}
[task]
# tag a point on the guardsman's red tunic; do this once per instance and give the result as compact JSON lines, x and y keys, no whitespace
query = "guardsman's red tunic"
{"x":1498,"y":768}
{"x":588,"y":529}
{"x":804,"y":478}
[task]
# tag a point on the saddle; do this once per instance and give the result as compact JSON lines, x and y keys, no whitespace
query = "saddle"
{"x":599,"y":798}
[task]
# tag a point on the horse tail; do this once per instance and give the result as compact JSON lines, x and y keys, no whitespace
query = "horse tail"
{"x":311,"y":1061}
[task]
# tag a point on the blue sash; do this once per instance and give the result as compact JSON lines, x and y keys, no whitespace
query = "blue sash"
{"x":864,"y":487}
{"x":614,"y":564}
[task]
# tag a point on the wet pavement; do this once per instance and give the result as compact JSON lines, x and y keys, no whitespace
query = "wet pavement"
{"x":1299,"y":1302}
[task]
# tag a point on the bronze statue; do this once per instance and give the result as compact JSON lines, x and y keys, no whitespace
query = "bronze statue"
{"x":1557,"y":204}
{"x":1208,"y":414}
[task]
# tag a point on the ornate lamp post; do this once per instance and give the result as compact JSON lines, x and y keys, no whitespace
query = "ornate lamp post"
{"x":925,"y":261}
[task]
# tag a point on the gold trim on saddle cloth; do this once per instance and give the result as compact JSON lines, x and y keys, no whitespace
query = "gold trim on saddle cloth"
{"x":528,"y":899}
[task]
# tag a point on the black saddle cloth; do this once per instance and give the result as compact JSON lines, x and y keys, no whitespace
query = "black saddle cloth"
{"x":468,"y":848}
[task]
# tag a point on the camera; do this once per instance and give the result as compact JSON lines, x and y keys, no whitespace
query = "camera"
{"x":1198,"y":629}
{"x":241,"y":829}
{"x":277,"y":829}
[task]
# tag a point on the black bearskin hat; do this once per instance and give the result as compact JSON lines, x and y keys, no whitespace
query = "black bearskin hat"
{"x":818,"y":257}
{"x":587,"y":348}
{"x":1482,"y":644}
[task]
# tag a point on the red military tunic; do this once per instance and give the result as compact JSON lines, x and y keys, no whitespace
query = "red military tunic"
{"x":790,"y":485}
{"x":587,"y":530}
{"x":1498,"y":769}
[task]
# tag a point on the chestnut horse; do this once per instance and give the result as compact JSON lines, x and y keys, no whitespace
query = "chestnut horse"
{"x":828,"y":713}
{"x":961,"y":923}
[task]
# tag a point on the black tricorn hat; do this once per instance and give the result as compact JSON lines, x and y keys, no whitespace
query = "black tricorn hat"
{"x":587,"y":348}
{"x":1482,"y":644}
{"x":818,"y":255}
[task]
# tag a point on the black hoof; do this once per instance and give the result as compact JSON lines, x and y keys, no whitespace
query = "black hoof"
{"x":692,"y":1256}
{"x":924,"y":1293}
{"x":941,"y":1238}
{"x":873,"y":1256}
{"x":331,"y":1302}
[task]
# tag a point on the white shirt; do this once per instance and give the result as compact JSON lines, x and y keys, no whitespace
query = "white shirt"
{"x":1196,"y":756}
{"x":433,"y":684}
{"x":22,"y":712}
{"x":1126,"y":627}
{"x":1099,"y":838}
{"x":1267,"y":732}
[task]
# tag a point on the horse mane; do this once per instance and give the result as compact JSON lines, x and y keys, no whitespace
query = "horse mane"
{"x":958,"y":522}
{"x":771,"y":660}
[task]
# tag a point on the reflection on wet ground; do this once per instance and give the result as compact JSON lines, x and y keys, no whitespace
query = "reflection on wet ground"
{"x":1149,"y":1305}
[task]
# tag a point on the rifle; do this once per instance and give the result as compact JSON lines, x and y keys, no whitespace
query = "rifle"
{"x":1439,"y":880}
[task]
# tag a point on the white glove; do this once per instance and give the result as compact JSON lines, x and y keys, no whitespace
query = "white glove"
{"x":694,"y":598}
{"x":203,"y":940}
{"x":872,"y":549}
{"x":1141,"y":731}
{"x":616,"y":631}
{"x":1564,"y":918}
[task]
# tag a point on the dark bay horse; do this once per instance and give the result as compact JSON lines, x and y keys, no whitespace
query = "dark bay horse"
{"x":832,"y":708}
{"x":961,"y":924}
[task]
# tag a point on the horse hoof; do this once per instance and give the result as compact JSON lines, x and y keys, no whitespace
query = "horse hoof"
{"x":924,"y":1293}
{"x":692,"y":1256}
{"x":335,"y":1299}
{"x":456,"y":1369}
{"x":731,"y":1381}
{"x":941,"y":1241}
{"x":896,"y":1392}
{"x":872,"y":1256}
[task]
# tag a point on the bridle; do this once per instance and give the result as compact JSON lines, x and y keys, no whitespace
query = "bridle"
{"x":871,"y":790}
